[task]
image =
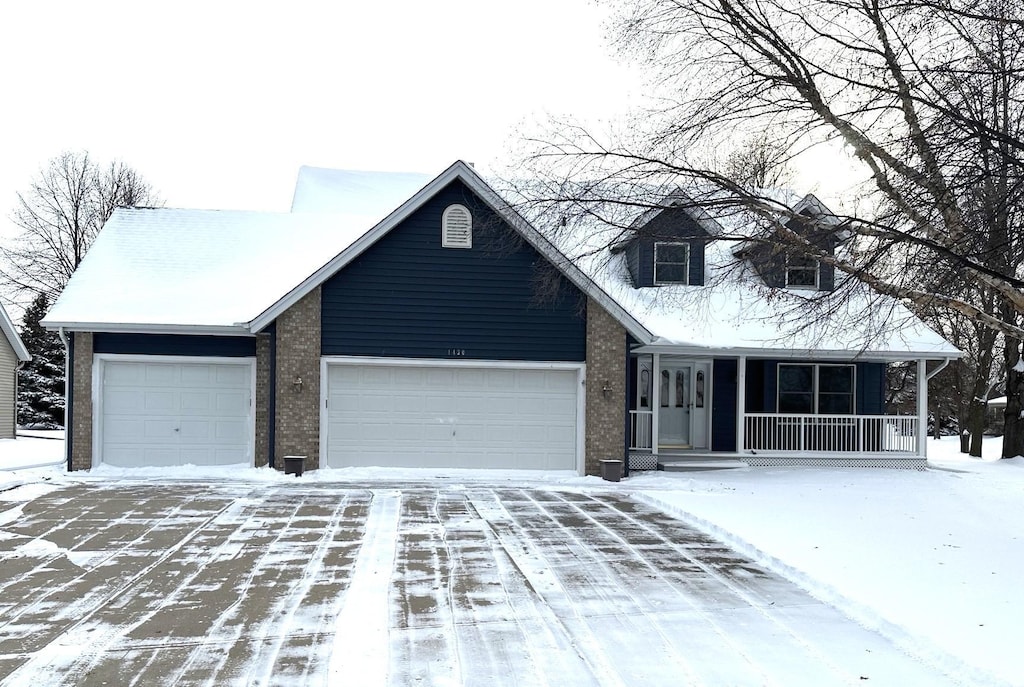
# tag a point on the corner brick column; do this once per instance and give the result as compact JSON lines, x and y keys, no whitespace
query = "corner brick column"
{"x":298,"y":406}
{"x":81,"y":418}
{"x":262,"y":447}
{"x":606,"y":362}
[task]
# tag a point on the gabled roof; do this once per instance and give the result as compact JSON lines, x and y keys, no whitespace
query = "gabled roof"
{"x":466,"y":174}
{"x":11,"y":334}
{"x":230,"y":272}
{"x":219,"y":272}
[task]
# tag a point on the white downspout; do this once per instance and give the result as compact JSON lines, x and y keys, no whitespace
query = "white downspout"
{"x":922,"y":402}
{"x":655,"y":400}
{"x":67,"y":399}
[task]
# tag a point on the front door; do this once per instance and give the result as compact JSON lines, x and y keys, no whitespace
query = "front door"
{"x":675,"y":405}
{"x":683,"y":404}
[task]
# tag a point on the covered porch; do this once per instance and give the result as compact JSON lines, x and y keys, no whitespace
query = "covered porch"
{"x":763,"y":408}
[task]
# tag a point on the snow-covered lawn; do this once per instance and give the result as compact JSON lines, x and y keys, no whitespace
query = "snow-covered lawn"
{"x":930,"y":560}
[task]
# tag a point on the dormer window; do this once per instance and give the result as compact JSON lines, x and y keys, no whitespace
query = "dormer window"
{"x":801,"y":272}
{"x":456,"y":227}
{"x":671,"y":263}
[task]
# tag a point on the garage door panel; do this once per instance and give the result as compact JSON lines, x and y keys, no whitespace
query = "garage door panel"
{"x":175,"y":413}
{"x":406,"y":416}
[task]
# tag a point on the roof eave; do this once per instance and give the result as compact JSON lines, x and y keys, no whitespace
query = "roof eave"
{"x":794,"y":353}
{"x":149,"y":328}
{"x":7,"y":326}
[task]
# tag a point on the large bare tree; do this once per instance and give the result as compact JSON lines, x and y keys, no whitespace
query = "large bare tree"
{"x":927,"y":96}
{"x":59,"y":216}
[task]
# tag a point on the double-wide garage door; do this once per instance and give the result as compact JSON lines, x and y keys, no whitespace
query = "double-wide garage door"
{"x":175,"y":413}
{"x":451,"y":416}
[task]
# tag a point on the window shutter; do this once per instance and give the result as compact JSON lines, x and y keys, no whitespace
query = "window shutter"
{"x":456,"y":227}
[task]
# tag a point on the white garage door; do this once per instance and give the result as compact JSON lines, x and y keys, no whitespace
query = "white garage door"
{"x":459,"y":417}
{"x":170,"y":413}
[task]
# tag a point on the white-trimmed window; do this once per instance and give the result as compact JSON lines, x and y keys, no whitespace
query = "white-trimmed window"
{"x":456,"y":227}
{"x":817,"y":389}
{"x":801,"y":272}
{"x":671,"y":263}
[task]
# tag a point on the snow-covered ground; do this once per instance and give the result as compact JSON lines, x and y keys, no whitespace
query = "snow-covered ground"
{"x":929,"y":559}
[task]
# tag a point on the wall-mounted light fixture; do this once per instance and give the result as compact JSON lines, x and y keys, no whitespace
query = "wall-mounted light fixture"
{"x":606,"y":389}
{"x":297,"y":384}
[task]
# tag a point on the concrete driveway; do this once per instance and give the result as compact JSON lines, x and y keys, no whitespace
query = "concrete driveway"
{"x":296,"y":583}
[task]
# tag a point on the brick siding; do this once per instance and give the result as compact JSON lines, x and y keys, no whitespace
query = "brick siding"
{"x":298,"y":406}
{"x":81,"y":419}
{"x":262,"y":400}
{"x":606,"y":362}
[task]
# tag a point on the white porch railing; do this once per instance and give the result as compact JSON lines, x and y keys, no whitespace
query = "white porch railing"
{"x":805,"y":433}
{"x":830,"y":433}
{"x":640,"y":430}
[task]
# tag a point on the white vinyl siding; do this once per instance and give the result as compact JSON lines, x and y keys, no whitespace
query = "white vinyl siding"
{"x":162,"y":413}
{"x":451,"y":417}
{"x":8,"y":389}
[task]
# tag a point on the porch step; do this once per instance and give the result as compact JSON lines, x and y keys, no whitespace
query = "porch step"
{"x":695,"y":465}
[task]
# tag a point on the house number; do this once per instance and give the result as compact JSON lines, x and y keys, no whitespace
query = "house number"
{"x":456,"y":352}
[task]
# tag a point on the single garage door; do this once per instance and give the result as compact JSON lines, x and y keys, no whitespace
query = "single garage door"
{"x":175,"y":413}
{"x":458,"y":417}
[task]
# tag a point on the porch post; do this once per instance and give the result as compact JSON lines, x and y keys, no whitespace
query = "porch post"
{"x":741,"y":402}
{"x":922,"y":407}
{"x":655,"y":399}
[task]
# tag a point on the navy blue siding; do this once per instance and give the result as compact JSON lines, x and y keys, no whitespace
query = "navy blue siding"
{"x":674,"y":225}
{"x":870,"y":388}
{"x":723,"y":406}
{"x":175,"y":344}
{"x":406,"y":296}
{"x":632,"y":252}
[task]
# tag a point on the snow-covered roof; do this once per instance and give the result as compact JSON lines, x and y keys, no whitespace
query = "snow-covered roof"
{"x":734,"y":312}
{"x":11,"y":334}
{"x":166,"y":270}
{"x":170,"y":270}
{"x":352,"y":192}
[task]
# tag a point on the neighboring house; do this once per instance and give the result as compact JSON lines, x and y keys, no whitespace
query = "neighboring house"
{"x":12,"y":354}
{"x":415,"y":333}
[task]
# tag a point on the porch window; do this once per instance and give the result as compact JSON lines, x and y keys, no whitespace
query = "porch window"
{"x":801,"y":272}
{"x":671,"y":263}
{"x":816,"y":389}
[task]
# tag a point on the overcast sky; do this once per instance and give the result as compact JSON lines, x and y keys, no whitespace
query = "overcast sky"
{"x":217,"y":103}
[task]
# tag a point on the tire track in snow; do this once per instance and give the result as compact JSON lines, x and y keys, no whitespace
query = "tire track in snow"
{"x":554,"y":653}
{"x":262,"y":664}
{"x":214,"y":637}
{"x":360,"y":649}
{"x":785,"y":617}
{"x":596,"y":600}
{"x":530,"y":562}
{"x":54,"y":663}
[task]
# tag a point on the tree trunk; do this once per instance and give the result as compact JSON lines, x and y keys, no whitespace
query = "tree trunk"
{"x":975,"y":428}
{"x":1013,"y":428}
